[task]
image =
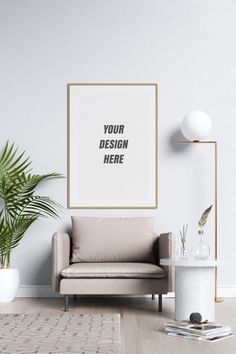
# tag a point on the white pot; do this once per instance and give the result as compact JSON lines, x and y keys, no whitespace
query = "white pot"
{"x":9,"y":284}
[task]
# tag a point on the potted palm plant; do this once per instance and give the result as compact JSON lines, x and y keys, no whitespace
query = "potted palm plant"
{"x":19,"y":208}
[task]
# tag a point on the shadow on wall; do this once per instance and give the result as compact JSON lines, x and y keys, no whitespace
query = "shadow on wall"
{"x":42,"y":275}
{"x":174,"y":137}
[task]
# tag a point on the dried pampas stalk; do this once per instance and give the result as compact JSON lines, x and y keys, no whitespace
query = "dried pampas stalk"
{"x":204,"y":217}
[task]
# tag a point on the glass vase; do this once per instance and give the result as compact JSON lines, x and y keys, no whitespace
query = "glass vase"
{"x":201,"y":249}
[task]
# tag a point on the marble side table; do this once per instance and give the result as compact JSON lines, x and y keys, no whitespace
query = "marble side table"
{"x":194,"y":287}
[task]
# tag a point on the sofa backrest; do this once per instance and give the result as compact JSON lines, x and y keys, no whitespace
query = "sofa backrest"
{"x":112,"y":239}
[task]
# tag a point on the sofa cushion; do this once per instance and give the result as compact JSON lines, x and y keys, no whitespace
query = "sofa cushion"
{"x":113,"y":270}
{"x":112,"y":239}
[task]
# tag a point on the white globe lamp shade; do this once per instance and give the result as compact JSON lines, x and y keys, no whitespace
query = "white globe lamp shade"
{"x":196,"y":126}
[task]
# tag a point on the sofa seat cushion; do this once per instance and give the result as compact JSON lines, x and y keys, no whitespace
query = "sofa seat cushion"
{"x":113,"y":270}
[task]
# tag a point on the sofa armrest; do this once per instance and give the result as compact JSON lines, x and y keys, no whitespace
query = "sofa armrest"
{"x":166,"y":250}
{"x":60,"y":257}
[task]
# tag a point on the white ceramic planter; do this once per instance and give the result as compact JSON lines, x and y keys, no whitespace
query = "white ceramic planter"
{"x":9,"y":284}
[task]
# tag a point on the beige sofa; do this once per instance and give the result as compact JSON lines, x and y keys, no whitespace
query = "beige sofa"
{"x":111,"y":256}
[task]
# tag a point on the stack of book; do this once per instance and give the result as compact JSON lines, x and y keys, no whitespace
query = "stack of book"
{"x":210,"y":332}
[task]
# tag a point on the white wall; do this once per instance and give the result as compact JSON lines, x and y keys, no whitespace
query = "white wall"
{"x":187,"y":46}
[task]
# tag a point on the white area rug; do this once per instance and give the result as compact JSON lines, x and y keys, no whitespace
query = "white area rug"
{"x":64,"y":333}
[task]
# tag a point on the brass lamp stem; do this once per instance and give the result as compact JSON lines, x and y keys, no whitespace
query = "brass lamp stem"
{"x":217,"y":299}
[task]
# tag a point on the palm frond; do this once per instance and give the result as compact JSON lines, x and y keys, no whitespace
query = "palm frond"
{"x":21,"y":207}
{"x":20,"y":227}
{"x":24,"y":187}
{"x":12,"y":164}
{"x":43,"y":206}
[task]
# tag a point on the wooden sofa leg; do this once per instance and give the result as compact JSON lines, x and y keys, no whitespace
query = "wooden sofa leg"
{"x":160,"y":303}
{"x":66,"y":304}
{"x":153,"y":296}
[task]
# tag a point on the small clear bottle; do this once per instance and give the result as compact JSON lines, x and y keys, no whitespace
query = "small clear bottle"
{"x":183,"y":253}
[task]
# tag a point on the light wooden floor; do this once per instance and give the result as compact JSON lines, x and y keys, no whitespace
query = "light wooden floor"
{"x":141,"y":323}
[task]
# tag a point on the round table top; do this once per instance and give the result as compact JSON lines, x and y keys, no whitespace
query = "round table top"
{"x":190,"y":262}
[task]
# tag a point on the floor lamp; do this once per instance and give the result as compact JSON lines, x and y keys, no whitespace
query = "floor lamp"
{"x":196,"y":126}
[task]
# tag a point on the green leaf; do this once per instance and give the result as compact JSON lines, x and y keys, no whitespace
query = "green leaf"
{"x":20,"y":206}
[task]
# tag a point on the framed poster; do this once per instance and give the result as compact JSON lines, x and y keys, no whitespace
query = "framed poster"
{"x":112,"y":145}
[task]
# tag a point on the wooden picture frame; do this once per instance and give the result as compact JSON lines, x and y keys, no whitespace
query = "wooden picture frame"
{"x":112,"y":145}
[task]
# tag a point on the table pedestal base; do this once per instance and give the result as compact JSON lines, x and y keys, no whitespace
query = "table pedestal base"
{"x":194,"y":292}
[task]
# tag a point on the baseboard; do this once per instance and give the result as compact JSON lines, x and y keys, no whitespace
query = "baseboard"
{"x":46,"y":291}
{"x":36,"y":291}
{"x":226,"y":292}
{"x":221,"y":292}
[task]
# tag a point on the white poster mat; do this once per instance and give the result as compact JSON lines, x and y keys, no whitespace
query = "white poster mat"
{"x":95,"y":113}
